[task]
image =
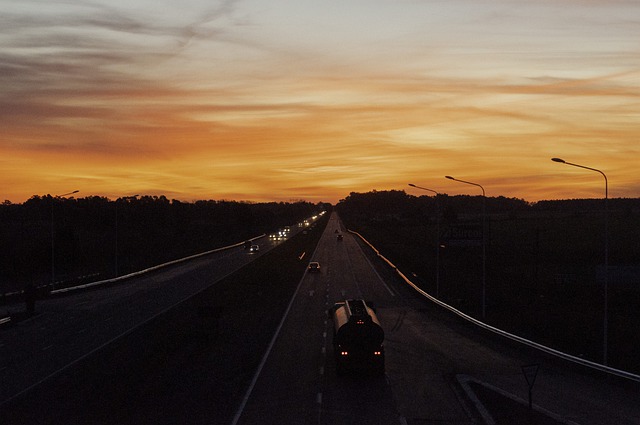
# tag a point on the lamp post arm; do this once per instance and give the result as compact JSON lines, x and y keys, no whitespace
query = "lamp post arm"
{"x":424,"y":188}
{"x":606,"y":182}
{"x":474,"y":184}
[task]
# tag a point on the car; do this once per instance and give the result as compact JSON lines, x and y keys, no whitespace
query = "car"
{"x":254,"y":248}
{"x":339,"y":237}
{"x":314,"y":267}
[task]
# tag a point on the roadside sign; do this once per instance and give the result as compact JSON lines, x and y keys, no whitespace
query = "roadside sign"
{"x":463,"y":235}
{"x":530,"y":372}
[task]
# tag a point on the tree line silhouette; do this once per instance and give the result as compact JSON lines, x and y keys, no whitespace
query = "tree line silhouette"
{"x":50,"y":240}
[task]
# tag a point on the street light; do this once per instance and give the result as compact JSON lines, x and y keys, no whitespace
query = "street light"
{"x":53,"y":246}
{"x":437,"y":238}
{"x":606,"y":255}
{"x":126,"y":198}
{"x":484,"y":243}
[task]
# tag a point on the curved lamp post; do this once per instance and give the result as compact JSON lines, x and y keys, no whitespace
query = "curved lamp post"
{"x":437,"y":238}
{"x":53,"y":245}
{"x":606,"y":254}
{"x":484,"y":243}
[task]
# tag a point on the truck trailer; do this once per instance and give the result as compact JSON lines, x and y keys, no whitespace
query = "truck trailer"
{"x":357,"y":338}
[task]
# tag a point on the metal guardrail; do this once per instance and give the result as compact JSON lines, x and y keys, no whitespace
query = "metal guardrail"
{"x":516,"y":338}
{"x":127,"y":276}
{"x":150,"y":269}
{"x":138,"y":273}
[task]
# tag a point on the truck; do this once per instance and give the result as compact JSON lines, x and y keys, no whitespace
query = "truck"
{"x":358,"y":338}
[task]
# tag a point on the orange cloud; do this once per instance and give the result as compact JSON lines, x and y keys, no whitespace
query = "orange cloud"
{"x":219,"y":103}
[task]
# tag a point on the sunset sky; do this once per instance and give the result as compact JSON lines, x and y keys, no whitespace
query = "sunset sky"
{"x":285,"y":100}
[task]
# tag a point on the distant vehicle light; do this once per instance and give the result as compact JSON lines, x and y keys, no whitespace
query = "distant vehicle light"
{"x":344,"y":353}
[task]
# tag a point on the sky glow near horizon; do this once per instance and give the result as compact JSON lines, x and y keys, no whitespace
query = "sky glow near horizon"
{"x":287,"y":100}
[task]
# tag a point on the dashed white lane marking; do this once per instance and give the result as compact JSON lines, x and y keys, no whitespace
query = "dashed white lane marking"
{"x":319,"y":398}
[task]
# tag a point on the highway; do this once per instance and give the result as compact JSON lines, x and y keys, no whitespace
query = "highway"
{"x":429,"y":352}
{"x":72,"y":326}
{"x":298,"y":384}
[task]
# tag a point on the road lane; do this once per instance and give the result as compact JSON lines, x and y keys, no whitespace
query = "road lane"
{"x":69,"y":327}
{"x":429,"y":349}
{"x":428,"y":352}
{"x":298,"y":384}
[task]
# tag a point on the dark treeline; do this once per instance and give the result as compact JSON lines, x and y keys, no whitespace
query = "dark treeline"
{"x":544,"y":262}
{"x":398,"y":205}
{"x":96,"y":238}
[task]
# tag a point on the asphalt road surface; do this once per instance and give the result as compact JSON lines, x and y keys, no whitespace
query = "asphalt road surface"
{"x":72,"y":326}
{"x":429,"y":353}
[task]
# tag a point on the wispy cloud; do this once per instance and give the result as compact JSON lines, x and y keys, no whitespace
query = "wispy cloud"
{"x":150,"y":96}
